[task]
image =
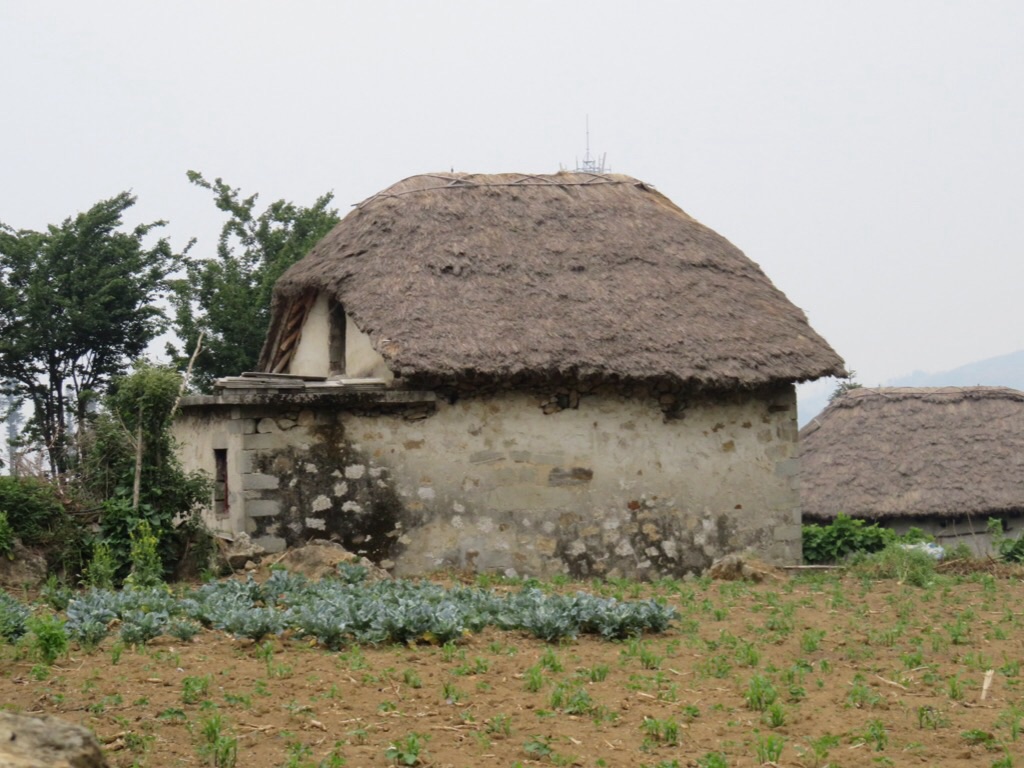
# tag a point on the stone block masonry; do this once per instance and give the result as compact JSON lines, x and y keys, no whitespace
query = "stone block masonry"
{"x":614,"y":486}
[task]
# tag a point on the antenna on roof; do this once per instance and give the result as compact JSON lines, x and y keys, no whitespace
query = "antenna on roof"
{"x":591,"y":164}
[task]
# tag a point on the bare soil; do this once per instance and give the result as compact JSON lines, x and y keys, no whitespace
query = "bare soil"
{"x":864,"y":674}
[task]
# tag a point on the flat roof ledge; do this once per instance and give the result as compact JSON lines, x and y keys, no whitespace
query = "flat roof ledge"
{"x":335,"y":397}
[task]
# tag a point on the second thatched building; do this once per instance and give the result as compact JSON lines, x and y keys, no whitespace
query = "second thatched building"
{"x":522,"y":374}
{"x":945,"y":460}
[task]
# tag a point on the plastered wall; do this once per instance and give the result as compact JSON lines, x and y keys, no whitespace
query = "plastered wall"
{"x":609,"y":488}
{"x":312,"y":356}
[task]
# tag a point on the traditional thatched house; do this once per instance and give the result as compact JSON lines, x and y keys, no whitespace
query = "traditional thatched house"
{"x":943,"y":460}
{"x":530,"y":374}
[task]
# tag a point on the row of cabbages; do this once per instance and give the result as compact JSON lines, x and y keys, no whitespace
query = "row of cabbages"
{"x":351,"y":610}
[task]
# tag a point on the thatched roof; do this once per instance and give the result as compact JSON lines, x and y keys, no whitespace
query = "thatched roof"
{"x":579,"y":276}
{"x":915,"y":452}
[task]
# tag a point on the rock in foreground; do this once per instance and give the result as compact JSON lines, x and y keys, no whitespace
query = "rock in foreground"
{"x":46,"y":742}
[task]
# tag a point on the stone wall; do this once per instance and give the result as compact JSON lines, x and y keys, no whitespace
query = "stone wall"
{"x":609,"y":486}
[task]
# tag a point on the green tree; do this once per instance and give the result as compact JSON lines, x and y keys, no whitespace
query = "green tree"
{"x":845,"y":385}
{"x":77,"y":304}
{"x":130,"y":446}
{"x":227,"y":298}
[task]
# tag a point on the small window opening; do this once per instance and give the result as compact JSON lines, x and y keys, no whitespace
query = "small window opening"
{"x":221,"y":505}
{"x":336,"y":323}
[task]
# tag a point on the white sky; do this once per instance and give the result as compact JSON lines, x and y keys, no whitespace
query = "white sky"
{"x":867,"y":155}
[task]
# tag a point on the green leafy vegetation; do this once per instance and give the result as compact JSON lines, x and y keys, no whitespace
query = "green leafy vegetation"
{"x":133,"y":435}
{"x":712,"y":760}
{"x":102,"y":568}
{"x":147,"y":570}
{"x":407,"y":750}
{"x":909,"y":566}
{"x":35,"y":514}
{"x":845,"y":385}
{"x":6,"y":536}
{"x":12,"y":618}
{"x":769,"y":748}
{"x":194,"y":689}
{"x":661,"y":731}
{"x":898,"y":671}
{"x":78,"y":303}
{"x":819,"y":748}
{"x":1009,"y":550}
{"x":227,"y":298}
{"x":760,"y":693}
{"x":49,"y":641}
{"x":218,"y":745}
{"x":335,"y":613}
{"x":128,"y":472}
{"x":845,"y":536}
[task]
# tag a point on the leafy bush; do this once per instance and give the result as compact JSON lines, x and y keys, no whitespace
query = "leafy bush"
{"x":120,"y":525}
{"x":1012,"y":550}
{"x":845,"y":536}
{"x":32,"y":508}
{"x":49,"y":640}
{"x":37,"y":516}
{"x":6,"y":536}
{"x":1009,"y":550}
{"x":102,"y":567}
{"x":169,"y":499}
{"x":147,"y":569}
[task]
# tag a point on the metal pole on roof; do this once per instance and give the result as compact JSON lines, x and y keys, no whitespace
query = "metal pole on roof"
{"x":590,"y":165}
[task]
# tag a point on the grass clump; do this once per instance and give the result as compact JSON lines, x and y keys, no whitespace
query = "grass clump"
{"x":760,"y":693}
{"x":908,"y":566}
{"x":218,"y":744}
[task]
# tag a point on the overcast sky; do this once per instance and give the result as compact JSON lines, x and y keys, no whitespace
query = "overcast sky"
{"x":867,"y":155}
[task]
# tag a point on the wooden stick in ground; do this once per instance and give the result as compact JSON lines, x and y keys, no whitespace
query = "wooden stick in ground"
{"x":987,"y":683}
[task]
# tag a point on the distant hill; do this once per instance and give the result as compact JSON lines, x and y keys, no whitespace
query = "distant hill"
{"x":1002,"y":371}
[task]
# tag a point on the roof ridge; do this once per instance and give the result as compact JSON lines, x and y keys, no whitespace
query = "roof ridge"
{"x":525,"y":179}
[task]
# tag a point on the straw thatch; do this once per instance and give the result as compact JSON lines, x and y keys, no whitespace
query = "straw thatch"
{"x":570,"y":276}
{"x":909,"y":452}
